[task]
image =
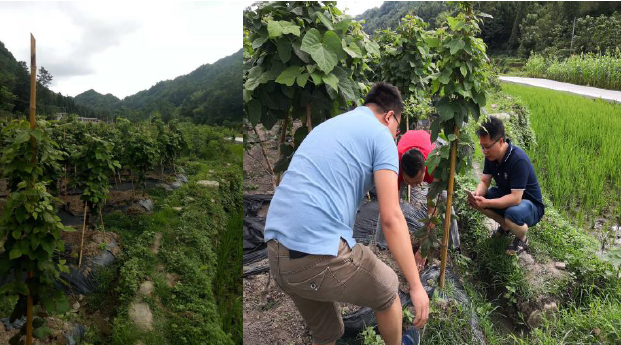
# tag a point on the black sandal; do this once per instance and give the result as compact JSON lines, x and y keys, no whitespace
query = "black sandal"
{"x":500,"y":232}
{"x":516,"y":247}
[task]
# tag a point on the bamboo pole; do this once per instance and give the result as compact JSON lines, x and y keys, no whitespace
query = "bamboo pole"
{"x":83,"y":230}
{"x":103,"y":227}
{"x":407,"y":128}
{"x":283,"y":134}
{"x":447,"y":215}
{"x":33,"y":125}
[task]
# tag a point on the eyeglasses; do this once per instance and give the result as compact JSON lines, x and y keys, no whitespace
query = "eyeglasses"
{"x":486,"y":148}
{"x":398,"y":123}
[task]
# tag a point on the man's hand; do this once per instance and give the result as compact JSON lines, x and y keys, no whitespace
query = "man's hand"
{"x":478,"y":202}
{"x":420,"y":301}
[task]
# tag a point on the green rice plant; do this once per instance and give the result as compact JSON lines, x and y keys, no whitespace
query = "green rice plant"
{"x":578,"y":150}
{"x":598,"y":70}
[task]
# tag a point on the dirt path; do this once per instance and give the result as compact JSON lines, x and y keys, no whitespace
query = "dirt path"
{"x":587,"y":91}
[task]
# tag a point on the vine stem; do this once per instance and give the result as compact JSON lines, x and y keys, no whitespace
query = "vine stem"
{"x":447,"y":215}
{"x":283,"y":134}
{"x":269,"y":165}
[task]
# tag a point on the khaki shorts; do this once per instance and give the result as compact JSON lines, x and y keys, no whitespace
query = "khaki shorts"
{"x":316,"y":283}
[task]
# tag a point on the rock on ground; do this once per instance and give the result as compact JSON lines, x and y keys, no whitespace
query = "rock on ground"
{"x":207,"y":183}
{"x":141,"y":314}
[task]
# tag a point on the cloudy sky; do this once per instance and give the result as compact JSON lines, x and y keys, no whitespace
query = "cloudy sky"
{"x":120,"y":47}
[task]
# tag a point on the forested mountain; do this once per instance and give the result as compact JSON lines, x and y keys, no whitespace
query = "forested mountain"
{"x":15,"y":90}
{"x":105,"y":104}
{"x":211,"y":94}
{"x":519,"y":27}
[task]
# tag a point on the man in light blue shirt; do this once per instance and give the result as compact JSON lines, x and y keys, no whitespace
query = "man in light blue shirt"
{"x":309,"y":227}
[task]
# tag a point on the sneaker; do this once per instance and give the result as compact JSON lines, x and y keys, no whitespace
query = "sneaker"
{"x":411,"y":336}
{"x":500,"y":232}
{"x":516,"y":247}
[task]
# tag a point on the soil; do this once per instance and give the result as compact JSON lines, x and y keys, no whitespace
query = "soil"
{"x":278,"y":323}
{"x":3,"y":190}
{"x":57,"y":326}
{"x":93,"y":241}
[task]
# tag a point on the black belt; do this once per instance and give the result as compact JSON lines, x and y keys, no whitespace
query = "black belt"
{"x":294,"y":254}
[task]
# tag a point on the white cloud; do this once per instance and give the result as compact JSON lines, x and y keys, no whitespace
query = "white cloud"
{"x":120,"y":48}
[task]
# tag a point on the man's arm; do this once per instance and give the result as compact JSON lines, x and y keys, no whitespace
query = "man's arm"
{"x":398,"y":240}
{"x":481,"y":190}
{"x":508,"y":200}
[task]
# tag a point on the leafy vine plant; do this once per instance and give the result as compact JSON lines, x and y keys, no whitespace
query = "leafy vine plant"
{"x":460,"y":85}
{"x":302,"y":60}
{"x":29,"y":227}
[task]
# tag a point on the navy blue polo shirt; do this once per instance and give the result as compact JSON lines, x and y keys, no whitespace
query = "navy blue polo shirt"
{"x":515,"y":171}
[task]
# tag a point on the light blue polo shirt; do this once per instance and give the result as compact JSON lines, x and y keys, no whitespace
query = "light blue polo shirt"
{"x":316,"y":203}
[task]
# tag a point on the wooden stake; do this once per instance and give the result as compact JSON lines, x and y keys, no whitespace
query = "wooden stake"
{"x":83,"y":229}
{"x":447,"y":215}
{"x":33,"y":125}
{"x":283,"y":134}
{"x":101,"y":217}
{"x":407,"y":128}
{"x":29,"y":314}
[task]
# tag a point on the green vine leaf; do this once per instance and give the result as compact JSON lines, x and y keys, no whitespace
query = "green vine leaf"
{"x":331,"y":80}
{"x":289,"y":75}
{"x":323,"y":54}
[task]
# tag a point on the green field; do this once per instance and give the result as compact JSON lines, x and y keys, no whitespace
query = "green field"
{"x":578,"y":152}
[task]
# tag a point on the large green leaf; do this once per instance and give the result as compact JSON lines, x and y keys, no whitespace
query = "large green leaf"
{"x":289,"y":28}
{"x":352,"y":49}
{"x":347,"y":86}
{"x":445,"y":109}
{"x":302,"y":79}
{"x":289,"y":75}
{"x":15,"y":253}
{"x":254,"y":76}
{"x":456,"y":45}
{"x":325,"y":56}
{"x":269,"y":119}
{"x":327,"y":22}
{"x":317,"y":80}
{"x":299,"y":53}
{"x":276,"y":29}
{"x":331,"y":39}
{"x":284,"y":49}
{"x":331,"y":80}
{"x":372,"y":48}
{"x":259,"y":42}
{"x":254,"y":112}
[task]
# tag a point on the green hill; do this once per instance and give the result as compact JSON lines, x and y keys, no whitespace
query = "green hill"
{"x":210,"y":94}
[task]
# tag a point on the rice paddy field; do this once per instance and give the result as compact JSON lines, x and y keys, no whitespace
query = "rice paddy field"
{"x":578,"y":152}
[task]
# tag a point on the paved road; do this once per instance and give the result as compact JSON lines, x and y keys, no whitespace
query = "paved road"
{"x":587,"y":91}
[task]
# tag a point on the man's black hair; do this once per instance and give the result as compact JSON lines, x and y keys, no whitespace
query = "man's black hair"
{"x":492,"y":127}
{"x":412,"y":162}
{"x":386,"y":96}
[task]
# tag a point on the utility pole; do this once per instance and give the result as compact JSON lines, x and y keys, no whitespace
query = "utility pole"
{"x":571,"y":45}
